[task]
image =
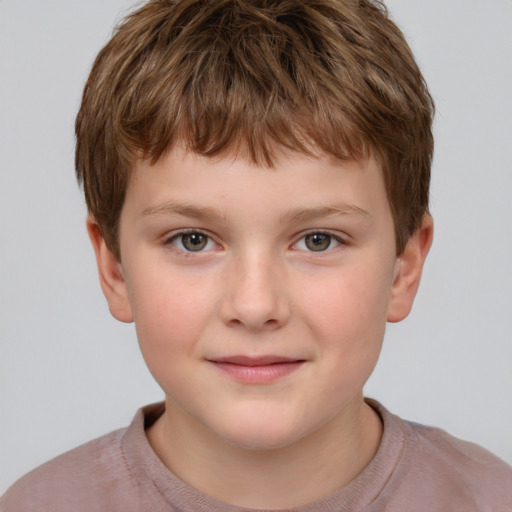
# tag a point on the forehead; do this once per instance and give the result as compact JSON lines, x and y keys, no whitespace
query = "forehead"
{"x":182,"y":181}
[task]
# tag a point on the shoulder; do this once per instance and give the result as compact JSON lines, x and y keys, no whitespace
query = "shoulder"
{"x":71,"y":481}
{"x":450,"y":469}
{"x":107,"y":474}
{"x":472,"y":461}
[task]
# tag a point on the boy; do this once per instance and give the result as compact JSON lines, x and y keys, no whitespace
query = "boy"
{"x":257,"y":180}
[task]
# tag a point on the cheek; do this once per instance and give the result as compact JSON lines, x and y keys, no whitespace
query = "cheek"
{"x":169,"y":325}
{"x":350,"y":302}
{"x":347,"y":316}
{"x":170,"y":313}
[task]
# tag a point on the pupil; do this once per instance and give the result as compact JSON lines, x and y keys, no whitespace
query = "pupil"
{"x":318,"y":242}
{"x":194,"y":242}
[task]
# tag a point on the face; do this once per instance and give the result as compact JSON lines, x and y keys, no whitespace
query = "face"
{"x":260,"y":296}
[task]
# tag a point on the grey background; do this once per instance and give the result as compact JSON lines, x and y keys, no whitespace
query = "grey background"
{"x":69,"y":372}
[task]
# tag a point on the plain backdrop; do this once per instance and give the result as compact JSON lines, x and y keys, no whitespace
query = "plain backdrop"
{"x":69,"y":372}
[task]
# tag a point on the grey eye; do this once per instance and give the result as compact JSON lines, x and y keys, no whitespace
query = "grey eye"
{"x":318,"y":241}
{"x":194,"y":241}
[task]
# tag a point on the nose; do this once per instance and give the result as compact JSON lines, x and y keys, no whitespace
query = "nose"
{"x":255,"y":294}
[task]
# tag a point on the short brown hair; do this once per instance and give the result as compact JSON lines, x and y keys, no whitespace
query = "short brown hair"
{"x":247,"y":76}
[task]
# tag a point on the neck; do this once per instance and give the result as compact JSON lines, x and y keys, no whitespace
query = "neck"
{"x":315,"y":466}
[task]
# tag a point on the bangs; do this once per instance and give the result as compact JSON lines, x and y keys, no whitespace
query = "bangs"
{"x":245,"y":83}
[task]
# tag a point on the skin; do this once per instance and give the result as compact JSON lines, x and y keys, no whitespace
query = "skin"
{"x":259,"y":286}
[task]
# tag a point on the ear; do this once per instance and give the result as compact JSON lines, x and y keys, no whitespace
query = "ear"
{"x":409,"y":266}
{"x":111,"y":276}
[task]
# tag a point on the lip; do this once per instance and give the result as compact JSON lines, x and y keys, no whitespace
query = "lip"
{"x":256,"y":370}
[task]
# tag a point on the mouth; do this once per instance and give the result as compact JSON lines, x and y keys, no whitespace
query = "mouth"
{"x":257,"y":370}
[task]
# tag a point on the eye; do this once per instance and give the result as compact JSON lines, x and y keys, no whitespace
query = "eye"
{"x":193,"y":241}
{"x":318,"y":242}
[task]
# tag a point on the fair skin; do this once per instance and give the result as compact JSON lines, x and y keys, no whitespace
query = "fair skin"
{"x":260,"y":298}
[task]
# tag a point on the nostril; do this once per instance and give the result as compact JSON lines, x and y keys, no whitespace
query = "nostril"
{"x":267,"y":324}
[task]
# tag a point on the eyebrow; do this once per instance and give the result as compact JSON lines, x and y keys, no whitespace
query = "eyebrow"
{"x":186,"y":210}
{"x":298,"y":215}
{"x":349,"y":210}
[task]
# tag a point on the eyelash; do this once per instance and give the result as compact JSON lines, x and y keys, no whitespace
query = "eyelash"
{"x":332,"y":238}
{"x":209,"y":240}
{"x":181,"y":234}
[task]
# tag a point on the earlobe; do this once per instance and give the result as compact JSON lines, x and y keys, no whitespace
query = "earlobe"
{"x":408,"y":271}
{"x":110,"y":273}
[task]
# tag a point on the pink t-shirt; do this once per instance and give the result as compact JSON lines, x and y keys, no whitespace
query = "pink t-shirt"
{"x":416,"y":469}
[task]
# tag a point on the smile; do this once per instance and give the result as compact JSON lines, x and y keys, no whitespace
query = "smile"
{"x":257,"y":370}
